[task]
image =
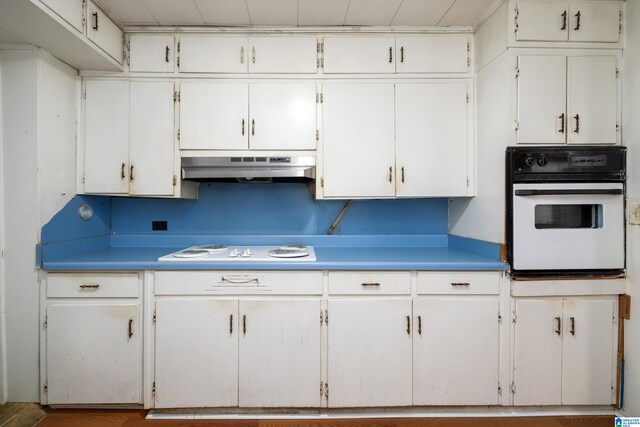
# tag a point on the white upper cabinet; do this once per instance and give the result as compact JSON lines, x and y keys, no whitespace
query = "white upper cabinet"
{"x":568,"y":21}
{"x":214,"y":116}
{"x":202,"y":54}
{"x":592,"y":100}
{"x":433,"y":54}
{"x":104,"y":32}
{"x":291,"y":54}
{"x":432,"y":139}
{"x":151,"y":53}
{"x":349,"y":54}
{"x":283,"y":116}
{"x":358,"y":140}
{"x":69,"y":10}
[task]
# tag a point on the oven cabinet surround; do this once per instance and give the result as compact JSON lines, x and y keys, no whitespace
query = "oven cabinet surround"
{"x":91,"y":338}
{"x":422,"y":131}
{"x":130,"y":145}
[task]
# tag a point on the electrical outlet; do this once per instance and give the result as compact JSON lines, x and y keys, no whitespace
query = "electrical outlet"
{"x":634,"y":214}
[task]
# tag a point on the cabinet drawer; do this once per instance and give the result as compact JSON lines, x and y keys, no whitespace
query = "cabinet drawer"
{"x":92,"y":285}
{"x":465,"y":282}
{"x":369,"y":283}
{"x":238,"y":282}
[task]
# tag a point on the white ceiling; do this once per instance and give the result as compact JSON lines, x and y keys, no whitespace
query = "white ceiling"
{"x":291,"y":13}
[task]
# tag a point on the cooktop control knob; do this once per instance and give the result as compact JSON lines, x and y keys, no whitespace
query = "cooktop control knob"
{"x":542,"y":161}
{"x":529,"y":160}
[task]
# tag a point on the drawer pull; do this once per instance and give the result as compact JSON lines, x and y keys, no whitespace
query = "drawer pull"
{"x":419,"y":325}
{"x":231,"y":324}
{"x":558,"y":325}
{"x":460,"y":284}
{"x":573,"y":325}
{"x":95,"y":21}
{"x":166,"y":54}
{"x":408,"y":325}
{"x":89,"y":286}
{"x":371,"y":285}
{"x":244,"y":324}
{"x":239,"y":282}
{"x":130,"y":328}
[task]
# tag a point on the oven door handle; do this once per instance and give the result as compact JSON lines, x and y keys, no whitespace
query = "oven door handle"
{"x":576,"y":192}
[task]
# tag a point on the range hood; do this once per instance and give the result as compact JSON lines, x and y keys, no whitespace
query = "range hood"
{"x":246,"y":169}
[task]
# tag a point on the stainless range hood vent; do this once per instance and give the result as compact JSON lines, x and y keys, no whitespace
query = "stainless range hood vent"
{"x":261,"y":169}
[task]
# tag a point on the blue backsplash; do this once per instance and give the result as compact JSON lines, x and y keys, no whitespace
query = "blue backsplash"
{"x":275,"y":209}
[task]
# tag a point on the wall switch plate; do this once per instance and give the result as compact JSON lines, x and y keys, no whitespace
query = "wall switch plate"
{"x":634,"y":214}
{"x":159,"y":225}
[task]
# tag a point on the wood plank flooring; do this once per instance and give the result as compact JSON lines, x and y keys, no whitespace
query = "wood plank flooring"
{"x":20,"y":414}
{"x":136,"y":418}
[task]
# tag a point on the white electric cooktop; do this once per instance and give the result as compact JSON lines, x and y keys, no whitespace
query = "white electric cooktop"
{"x":224,"y":253}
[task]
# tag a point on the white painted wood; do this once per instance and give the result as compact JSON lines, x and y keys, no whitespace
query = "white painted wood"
{"x":152,"y":147}
{"x":542,"y":87}
{"x":421,"y":12}
{"x":458,"y":283}
{"x":431,"y":139}
{"x":369,"y":352}
{"x":98,"y":363}
{"x":592,"y":95}
{"x":104,"y":32}
{"x":542,"y":21}
{"x":466,"y":13}
{"x":358,"y":140}
{"x":69,"y":10}
{"x":327,"y":12}
{"x":223,"y":12}
{"x":538,"y":352}
{"x":369,"y":283}
{"x":196,"y":357}
{"x":455,"y":351}
{"x":151,"y":53}
{"x":212,"y":116}
{"x":587,"y":354}
{"x":283,"y":116}
{"x":526,"y":288}
{"x":130,"y":12}
{"x":273,"y":12}
{"x":349,"y":54}
{"x":246,"y":282}
{"x":371,"y":12}
{"x":206,"y":54}
{"x":92,"y":285}
{"x":106,"y":143}
{"x":432,"y":54}
{"x":279,"y":353}
{"x":599,"y":21}
{"x":174,"y":13}
{"x":291,"y":54}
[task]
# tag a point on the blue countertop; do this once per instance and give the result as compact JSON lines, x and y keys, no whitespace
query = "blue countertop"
{"x":332,"y":252}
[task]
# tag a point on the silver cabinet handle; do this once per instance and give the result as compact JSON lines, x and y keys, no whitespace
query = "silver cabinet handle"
{"x":370,"y":285}
{"x":239,"y":282}
{"x":390,"y":55}
{"x":253,"y":55}
{"x":460,"y":284}
{"x":242,"y":54}
{"x":89,"y":286}
{"x":95,"y":21}
{"x":573,"y":325}
{"x":130,"y":328}
{"x":558,"y":325}
{"x":408,"y":325}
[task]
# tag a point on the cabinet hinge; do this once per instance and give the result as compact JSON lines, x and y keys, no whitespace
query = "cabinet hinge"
{"x":46,"y":386}
{"x":326,"y":390}
{"x":620,"y":22}
{"x":467,"y":98}
{"x":321,"y":62}
{"x":515,"y":20}
{"x":513,"y":387}
{"x":617,"y":72}
{"x":322,"y":182}
{"x":499,"y":389}
{"x":517,"y":72}
{"x":84,"y":94}
{"x":318,"y":63}
{"x":317,"y":135}
{"x":515,"y":317}
{"x":175,"y":180}
{"x":467,"y":182}
{"x":318,"y":47}
{"x":499,"y":317}
{"x":178,"y":60}
{"x":321,"y":322}
{"x":175,"y":96}
{"x":326,"y":318}
{"x":617,"y":126}
{"x":153,"y":389}
{"x":468,"y":61}
{"x":319,"y":98}
{"x":46,"y":319}
{"x":178,"y":134}
{"x":516,"y":125}
{"x":468,"y":47}
{"x":178,"y":46}
{"x":154,"y":316}
{"x":321,"y":389}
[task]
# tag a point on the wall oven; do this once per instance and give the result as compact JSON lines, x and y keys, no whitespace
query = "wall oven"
{"x":566,"y":211}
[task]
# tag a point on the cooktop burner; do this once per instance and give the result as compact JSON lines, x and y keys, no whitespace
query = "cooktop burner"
{"x":222,"y":253}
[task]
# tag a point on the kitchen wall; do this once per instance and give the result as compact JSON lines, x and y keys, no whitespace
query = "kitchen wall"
{"x":631,"y":138}
{"x":39,"y":95}
{"x":3,"y":369}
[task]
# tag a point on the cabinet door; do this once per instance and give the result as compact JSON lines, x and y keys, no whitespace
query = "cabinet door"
{"x":69,"y":10}
{"x":205,"y":54}
{"x":291,"y":54}
{"x":348,"y":54}
{"x":106,"y":142}
{"x":542,"y":88}
{"x":152,"y":149}
{"x":542,"y":21}
{"x":151,"y":54}
{"x":592,"y":100}
{"x":538,"y":352}
{"x":432,"y":139}
{"x":104,"y":32}
{"x":587,"y":353}
{"x":93,"y":354}
{"x":594,"y":22}
{"x":455,"y":351}
{"x":432,"y":54}
{"x":214,"y":116}
{"x":283,"y":116}
{"x":280,"y":353}
{"x":196,"y":353}
{"x":358,"y":140}
{"x":369,"y":352}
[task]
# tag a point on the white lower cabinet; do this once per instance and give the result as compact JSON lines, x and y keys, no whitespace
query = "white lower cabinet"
{"x":369,"y":352}
{"x":563,"y":351}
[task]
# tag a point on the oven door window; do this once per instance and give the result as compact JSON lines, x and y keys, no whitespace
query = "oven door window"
{"x":550,"y":216}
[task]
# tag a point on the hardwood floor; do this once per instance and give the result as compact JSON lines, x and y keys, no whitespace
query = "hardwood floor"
{"x":20,"y":414}
{"x":133,"y":418}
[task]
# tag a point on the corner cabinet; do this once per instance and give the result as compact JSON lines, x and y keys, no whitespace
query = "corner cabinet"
{"x":92,"y":339}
